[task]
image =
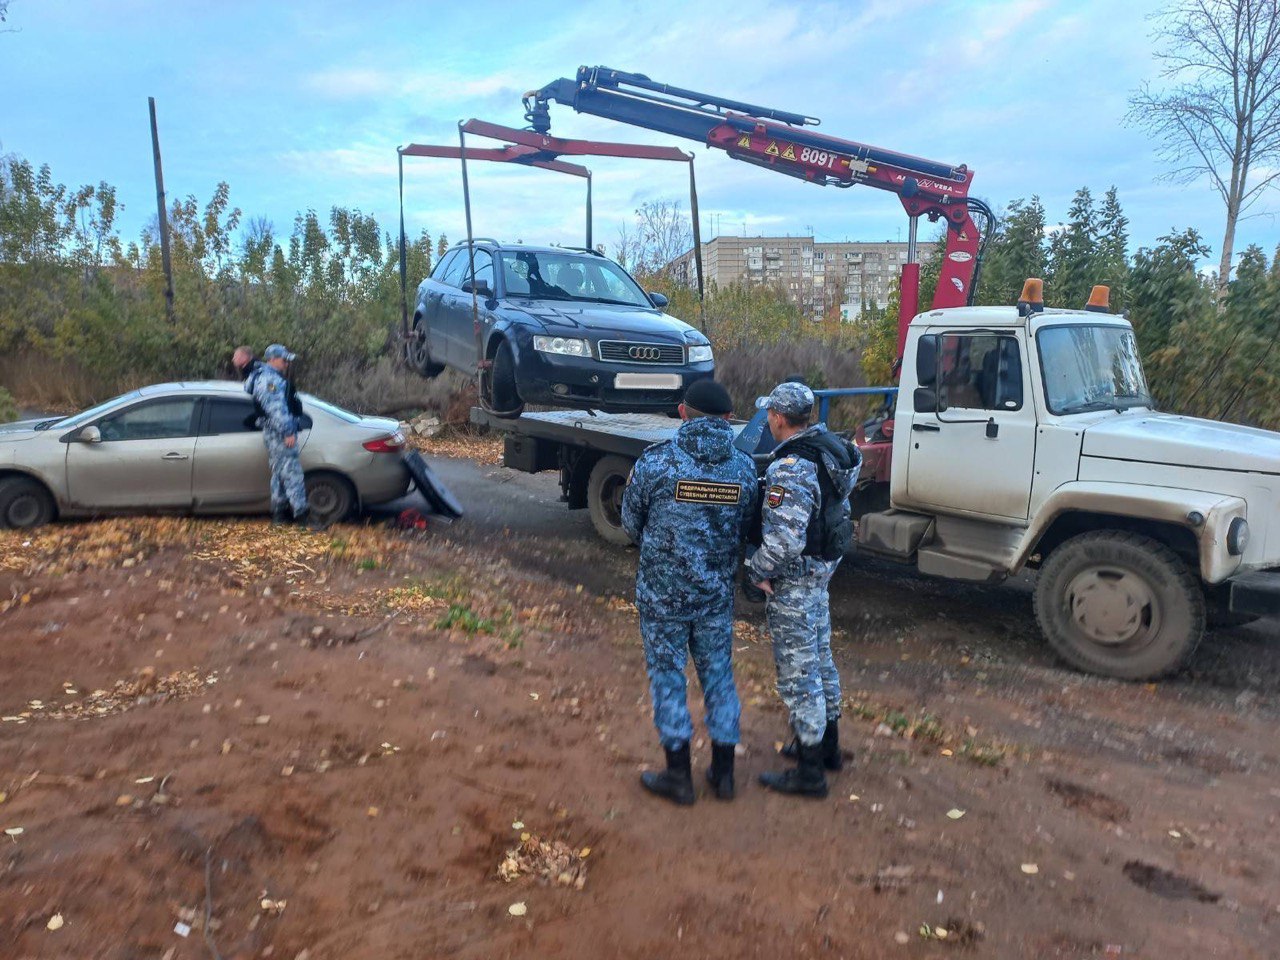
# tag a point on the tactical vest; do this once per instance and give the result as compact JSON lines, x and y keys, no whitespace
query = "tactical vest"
{"x":830,"y":534}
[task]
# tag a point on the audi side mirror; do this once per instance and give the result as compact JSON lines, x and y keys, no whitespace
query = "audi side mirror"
{"x":927,"y":361}
{"x":924,"y":400}
{"x":659,"y":300}
{"x":481,"y":288}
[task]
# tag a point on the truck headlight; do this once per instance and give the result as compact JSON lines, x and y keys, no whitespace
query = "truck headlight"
{"x":1238,"y":536}
{"x":564,"y":346}
{"x":700,"y":353}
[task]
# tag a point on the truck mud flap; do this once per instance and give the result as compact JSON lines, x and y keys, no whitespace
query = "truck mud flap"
{"x":430,"y":486}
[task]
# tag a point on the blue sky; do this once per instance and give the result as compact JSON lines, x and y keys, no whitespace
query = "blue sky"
{"x":301,"y":105}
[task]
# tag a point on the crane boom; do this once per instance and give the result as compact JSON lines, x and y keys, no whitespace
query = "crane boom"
{"x":785,"y":143}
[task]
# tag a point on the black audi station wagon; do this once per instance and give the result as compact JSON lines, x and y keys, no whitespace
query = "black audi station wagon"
{"x":559,"y":326}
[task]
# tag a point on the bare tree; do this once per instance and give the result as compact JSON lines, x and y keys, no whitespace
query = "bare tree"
{"x":662,"y":232}
{"x":1219,"y":114}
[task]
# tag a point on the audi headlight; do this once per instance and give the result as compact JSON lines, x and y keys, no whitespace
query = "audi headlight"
{"x":565,"y":346}
{"x":700,"y":353}
{"x":1237,"y":536}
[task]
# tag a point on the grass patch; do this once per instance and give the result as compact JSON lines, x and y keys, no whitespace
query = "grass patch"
{"x":459,"y":617}
{"x":929,"y":728}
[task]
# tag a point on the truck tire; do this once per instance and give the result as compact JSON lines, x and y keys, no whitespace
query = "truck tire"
{"x":604,"y":498}
{"x":25,"y":503}
{"x":1120,"y":604}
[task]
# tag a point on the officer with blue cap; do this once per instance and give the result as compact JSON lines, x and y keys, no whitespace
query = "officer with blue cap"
{"x":278,"y":410}
{"x":805,"y":529}
{"x":688,"y":505}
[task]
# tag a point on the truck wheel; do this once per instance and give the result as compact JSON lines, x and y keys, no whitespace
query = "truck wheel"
{"x":605,"y":486}
{"x":24,"y":503}
{"x":1120,"y":604}
{"x":504,"y":396}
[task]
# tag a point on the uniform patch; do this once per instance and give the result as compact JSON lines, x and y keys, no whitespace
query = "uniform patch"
{"x":776,"y":495}
{"x":708,"y":491}
{"x":271,"y":387}
{"x":787,"y":461}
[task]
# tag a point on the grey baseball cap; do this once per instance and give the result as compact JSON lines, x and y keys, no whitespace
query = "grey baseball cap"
{"x":791,"y":399}
{"x":278,"y":351}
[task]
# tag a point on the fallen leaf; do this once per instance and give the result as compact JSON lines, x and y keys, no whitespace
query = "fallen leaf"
{"x":1030,"y":868}
{"x":854,"y":798}
{"x":946,"y":753}
{"x":1175,"y":834}
{"x":14,"y":832}
{"x":518,"y":825}
{"x":55,"y":922}
{"x":372,"y":811}
{"x":517,"y":909}
{"x":144,"y":780}
{"x":902,"y":937}
{"x":584,"y":852}
{"x":940,"y":932}
{"x":262,"y":720}
{"x":533,"y":696}
{"x":524,"y":837}
{"x":955,"y":813}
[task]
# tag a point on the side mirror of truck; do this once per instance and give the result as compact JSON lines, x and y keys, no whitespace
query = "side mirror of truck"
{"x":927,"y":363}
{"x":925,"y":400}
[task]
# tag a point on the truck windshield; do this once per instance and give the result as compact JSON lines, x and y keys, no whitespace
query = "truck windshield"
{"x":1091,"y":368}
{"x":568,"y":276}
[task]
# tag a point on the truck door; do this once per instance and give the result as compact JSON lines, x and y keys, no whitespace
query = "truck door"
{"x":975,"y":453}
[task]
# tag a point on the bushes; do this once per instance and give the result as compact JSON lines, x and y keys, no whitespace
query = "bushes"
{"x":8,"y":409}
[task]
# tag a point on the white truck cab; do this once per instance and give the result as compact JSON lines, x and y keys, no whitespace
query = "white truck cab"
{"x":1026,"y":437}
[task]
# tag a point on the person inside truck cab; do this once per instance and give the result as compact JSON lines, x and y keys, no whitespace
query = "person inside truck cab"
{"x":958,"y":386}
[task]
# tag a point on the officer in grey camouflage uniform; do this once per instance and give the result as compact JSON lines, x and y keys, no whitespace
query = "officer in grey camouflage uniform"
{"x":789,"y":568}
{"x":270,"y":392}
{"x":688,"y":504}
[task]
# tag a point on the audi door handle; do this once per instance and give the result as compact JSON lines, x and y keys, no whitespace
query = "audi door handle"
{"x":926,"y":428}
{"x":174,"y":456}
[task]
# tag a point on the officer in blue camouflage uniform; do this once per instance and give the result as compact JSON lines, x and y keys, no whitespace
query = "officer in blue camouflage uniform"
{"x":786,"y":566}
{"x":688,"y":504}
{"x":270,"y":392}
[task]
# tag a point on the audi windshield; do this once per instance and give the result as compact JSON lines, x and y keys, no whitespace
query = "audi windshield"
{"x":1091,"y":368}
{"x":568,"y":276}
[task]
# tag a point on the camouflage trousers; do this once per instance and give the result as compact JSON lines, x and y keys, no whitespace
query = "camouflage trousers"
{"x":286,"y":475}
{"x":799,"y":615}
{"x":667,"y":645}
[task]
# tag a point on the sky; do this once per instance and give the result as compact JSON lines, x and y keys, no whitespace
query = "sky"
{"x":301,"y":105}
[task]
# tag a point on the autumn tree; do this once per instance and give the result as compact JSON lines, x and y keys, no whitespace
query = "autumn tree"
{"x":1217,"y":115}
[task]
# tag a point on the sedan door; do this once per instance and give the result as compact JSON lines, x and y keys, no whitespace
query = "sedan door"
{"x":143,"y":458}
{"x":231,"y":469}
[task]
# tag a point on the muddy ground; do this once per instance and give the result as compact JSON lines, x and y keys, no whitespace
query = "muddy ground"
{"x":221,"y":740}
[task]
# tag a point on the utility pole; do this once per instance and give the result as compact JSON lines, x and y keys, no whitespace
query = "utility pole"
{"x":164,"y":218}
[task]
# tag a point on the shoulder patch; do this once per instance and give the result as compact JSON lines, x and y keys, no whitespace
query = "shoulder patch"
{"x":271,"y":387}
{"x":776,"y":495}
{"x":787,"y":461}
{"x":708,"y":491}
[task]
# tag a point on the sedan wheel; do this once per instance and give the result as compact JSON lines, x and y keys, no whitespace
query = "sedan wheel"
{"x":329,"y":497}
{"x":24,"y":503}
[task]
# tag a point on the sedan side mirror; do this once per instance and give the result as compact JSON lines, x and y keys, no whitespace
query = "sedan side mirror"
{"x":658,"y":300}
{"x":90,"y":434}
{"x":480,"y":288}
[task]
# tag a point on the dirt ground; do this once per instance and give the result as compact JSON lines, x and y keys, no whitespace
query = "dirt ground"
{"x":223,"y":740}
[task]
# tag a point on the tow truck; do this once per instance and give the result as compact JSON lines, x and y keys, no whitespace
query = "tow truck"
{"x":1027,"y":439}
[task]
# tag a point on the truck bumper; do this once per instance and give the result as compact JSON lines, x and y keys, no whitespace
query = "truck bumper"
{"x":1256,"y":594}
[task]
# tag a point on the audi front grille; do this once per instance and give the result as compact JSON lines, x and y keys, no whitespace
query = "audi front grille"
{"x":622,"y":351}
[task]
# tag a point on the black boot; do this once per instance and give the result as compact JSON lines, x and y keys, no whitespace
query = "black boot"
{"x":305,"y":518}
{"x":832,"y":758}
{"x":805,"y":779}
{"x":720,"y":773}
{"x":676,"y":782}
{"x":280,"y":516}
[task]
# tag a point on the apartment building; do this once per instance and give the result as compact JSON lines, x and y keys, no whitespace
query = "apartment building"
{"x":819,"y":277}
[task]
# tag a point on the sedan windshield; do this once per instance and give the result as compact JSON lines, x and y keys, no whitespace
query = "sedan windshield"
{"x":85,"y":416}
{"x":568,"y":276}
{"x":1091,"y":368}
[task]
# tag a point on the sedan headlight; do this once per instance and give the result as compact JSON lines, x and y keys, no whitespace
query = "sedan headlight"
{"x":700,"y":353}
{"x":565,"y":346}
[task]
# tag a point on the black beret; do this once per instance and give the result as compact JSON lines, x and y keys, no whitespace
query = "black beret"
{"x":708,"y":397}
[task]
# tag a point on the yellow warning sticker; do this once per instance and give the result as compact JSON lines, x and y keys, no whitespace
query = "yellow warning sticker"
{"x":744,"y":141}
{"x":789,"y":153}
{"x":772,"y":149}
